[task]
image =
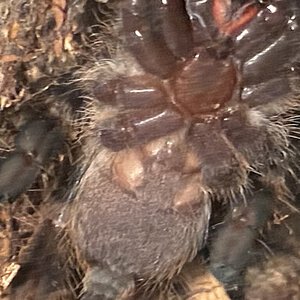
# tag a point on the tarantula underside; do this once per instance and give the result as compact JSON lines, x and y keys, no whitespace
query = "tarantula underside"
{"x":212,"y":85}
{"x":191,"y":113}
{"x":195,"y":104}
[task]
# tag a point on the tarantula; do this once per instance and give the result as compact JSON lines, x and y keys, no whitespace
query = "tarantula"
{"x":192,"y":107}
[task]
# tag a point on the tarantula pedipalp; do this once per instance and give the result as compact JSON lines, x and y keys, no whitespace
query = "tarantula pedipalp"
{"x":180,"y":117}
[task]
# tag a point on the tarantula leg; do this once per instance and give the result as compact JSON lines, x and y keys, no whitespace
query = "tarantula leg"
{"x":267,"y":92}
{"x":41,"y":139}
{"x":219,"y":166}
{"x":273,"y":60}
{"x":104,"y":284}
{"x":17,"y":173}
{"x":176,"y":26}
{"x":139,"y":127}
{"x":202,"y":21}
{"x":145,"y":39}
{"x":248,"y":134}
{"x":132,"y":93}
{"x":35,"y":143}
{"x":43,"y":269}
{"x":229,"y":22}
{"x":230,"y":249}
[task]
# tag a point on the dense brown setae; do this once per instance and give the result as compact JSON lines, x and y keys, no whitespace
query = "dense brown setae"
{"x":173,"y":125}
{"x":192,"y":108}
